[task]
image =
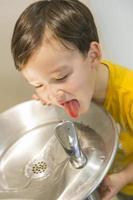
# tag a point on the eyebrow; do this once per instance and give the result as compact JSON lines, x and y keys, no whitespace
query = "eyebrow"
{"x":60,"y":68}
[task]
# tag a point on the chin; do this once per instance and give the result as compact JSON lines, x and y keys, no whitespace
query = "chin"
{"x":84,"y":109}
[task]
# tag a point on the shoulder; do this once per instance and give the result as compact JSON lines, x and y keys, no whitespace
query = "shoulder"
{"x":120,"y":76}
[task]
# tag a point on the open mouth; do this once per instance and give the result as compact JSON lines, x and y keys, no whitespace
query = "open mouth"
{"x":72,"y":108}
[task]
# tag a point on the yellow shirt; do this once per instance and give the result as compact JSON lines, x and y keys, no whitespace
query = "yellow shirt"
{"x":119,"y":102}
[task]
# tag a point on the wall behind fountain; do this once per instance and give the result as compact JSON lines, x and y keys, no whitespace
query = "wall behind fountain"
{"x":115,"y":25}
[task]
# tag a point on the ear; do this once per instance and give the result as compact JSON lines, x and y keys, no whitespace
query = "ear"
{"x":94,"y":52}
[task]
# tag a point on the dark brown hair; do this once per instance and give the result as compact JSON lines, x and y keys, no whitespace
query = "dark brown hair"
{"x":70,"y":21}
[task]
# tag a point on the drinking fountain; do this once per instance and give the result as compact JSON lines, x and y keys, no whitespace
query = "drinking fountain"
{"x":44,"y":154}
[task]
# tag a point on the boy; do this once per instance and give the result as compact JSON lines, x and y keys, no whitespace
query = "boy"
{"x":56,"y":47}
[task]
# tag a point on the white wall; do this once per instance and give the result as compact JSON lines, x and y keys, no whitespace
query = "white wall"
{"x":114,"y":20}
{"x":13,"y":88}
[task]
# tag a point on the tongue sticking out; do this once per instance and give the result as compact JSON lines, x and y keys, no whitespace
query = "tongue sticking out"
{"x":72,"y":108}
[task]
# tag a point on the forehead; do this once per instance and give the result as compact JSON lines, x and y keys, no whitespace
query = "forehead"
{"x":51,"y":57}
{"x":52,"y":53}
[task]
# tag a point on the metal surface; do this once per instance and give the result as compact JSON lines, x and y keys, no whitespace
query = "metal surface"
{"x":94,"y":196}
{"x":67,"y":136}
{"x":33,"y":164}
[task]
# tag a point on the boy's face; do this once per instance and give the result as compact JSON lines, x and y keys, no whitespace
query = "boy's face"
{"x":62,"y":77}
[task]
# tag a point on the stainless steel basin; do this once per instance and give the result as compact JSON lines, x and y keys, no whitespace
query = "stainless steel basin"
{"x":33,"y":164}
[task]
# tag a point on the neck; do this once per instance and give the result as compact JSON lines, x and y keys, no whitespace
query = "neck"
{"x":101,"y":84}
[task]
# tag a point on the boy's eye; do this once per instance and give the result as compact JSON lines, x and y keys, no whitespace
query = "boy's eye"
{"x":39,"y":86}
{"x":62,"y":78}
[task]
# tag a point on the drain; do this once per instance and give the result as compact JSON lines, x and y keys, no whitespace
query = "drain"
{"x":37,"y":169}
{"x":43,"y":164}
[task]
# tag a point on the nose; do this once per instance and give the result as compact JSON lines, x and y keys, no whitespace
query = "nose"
{"x":60,"y":96}
{"x":56,"y":94}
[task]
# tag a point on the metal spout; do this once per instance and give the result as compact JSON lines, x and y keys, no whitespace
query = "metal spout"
{"x":67,"y":136}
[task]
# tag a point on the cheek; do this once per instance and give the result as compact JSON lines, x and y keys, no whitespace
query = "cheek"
{"x":81,"y":86}
{"x":75,"y":86}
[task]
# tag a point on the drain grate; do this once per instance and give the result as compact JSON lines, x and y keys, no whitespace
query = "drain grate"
{"x":39,"y":167}
{"x":42,"y":164}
